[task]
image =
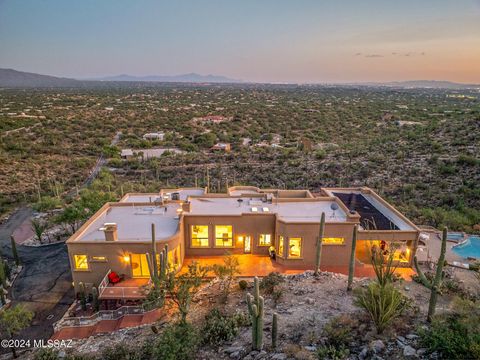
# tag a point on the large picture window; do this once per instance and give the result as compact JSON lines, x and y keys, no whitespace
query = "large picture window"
{"x":81,"y":262}
{"x":265,"y":240}
{"x":294,"y":248}
{"x":281,"y":246}
{"x":200,"y":236}
{"x":223,"y":236}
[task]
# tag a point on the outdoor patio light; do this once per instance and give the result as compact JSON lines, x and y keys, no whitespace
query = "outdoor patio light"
{"x":126,"y":258}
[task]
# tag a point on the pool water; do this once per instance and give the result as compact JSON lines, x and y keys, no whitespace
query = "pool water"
{"x":471,"y":248}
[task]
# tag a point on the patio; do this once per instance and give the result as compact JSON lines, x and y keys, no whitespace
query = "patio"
{"x":125,"y":289}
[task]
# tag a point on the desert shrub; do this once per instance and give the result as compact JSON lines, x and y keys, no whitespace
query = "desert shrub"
{"x":177,"y":342}
{"x":123,"y":352}
{"x":382,"y":303}
{"x":242,"y":284}
{"x":51,"y":354}
{"x":455,"y":335}
{"x":331,"y":352}
{"x":47,"y":203}
{"x":219,"y":327}
{"x":270,"y":281}
{"x":339,"y":331}
{"x":294,"y":351}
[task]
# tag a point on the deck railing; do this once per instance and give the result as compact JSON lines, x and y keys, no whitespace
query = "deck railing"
{"x":118,"y":291}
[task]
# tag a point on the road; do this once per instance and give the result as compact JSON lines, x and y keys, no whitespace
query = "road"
{"x":44,"y":285}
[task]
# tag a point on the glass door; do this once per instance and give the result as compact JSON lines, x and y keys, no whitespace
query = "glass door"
{"x":139,"y":265}
{"x":247,"y":244}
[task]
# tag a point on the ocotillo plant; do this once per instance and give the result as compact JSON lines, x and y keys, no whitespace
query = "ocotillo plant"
{"x":154,"y":254}
{"x":255,"y":304}
{"x":95,"y":300}
{"x":14,"y":251}
{"x":83,"y":298}
{"x":274,"y":330}
{"x":434,"y":285}
{"x":318,"y":254}
{"x":351,"y":267}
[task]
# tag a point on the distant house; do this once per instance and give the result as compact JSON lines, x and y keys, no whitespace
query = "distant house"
{"x":154,"y":136}
{"x":226,"y":147}
{"x":246,"y":141}
{"x":214,"y":119}
{"x":109,"y":108}
{"x":126,"y":153}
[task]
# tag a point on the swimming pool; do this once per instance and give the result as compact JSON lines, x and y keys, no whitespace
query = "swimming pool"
{"x":470,"y":248}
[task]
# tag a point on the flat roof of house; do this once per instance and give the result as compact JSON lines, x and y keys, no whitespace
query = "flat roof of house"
{"x":141,"y":198}
{"x":184,"y":193}
{"x":372,"y":209}
{"x":134,"y":222}
{"x":289,"y":211}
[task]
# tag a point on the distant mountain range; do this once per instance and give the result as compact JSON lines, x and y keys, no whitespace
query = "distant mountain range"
{"x":184,"y":78}
{"x":428,"y":84}
{"x":10,"y":78}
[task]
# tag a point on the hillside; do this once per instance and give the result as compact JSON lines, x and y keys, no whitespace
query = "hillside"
{"x":13,"y":78}
{"x":187,"y":78}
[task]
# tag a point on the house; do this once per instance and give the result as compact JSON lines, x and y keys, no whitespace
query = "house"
{"x":226,"y":147}
{"x":154,"y":136}
{"x":245,"y":220}
{"x":126,"y":154}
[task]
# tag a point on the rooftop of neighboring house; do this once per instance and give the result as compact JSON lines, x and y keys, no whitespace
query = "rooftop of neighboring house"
{"x":165,"y":194}
{"x":133,"y":222}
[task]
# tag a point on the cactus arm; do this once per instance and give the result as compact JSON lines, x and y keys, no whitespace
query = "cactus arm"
{"x":318,"y":254}
{"x":261,"y":305}
{"x":351,"y":267}
{"x":423,"y":279}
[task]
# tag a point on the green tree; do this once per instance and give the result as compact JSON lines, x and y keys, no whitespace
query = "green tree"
{"x":12,"y":321}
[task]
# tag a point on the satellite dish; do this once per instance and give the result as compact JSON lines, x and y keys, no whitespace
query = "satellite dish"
{"x":333,"y":206}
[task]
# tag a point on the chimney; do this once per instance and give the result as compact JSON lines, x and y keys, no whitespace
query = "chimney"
{"x":110,"y":230}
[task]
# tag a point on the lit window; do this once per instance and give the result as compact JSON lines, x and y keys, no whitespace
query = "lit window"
{"x":223,"y":236}
{"x":281,"y":244}
{"x":294,"y":247}
{"x":99,"y":258}
{"x":265,"y":240}
{"x":333,"y":241}
{"x":200,"y":236}
{"x":81,"y":262}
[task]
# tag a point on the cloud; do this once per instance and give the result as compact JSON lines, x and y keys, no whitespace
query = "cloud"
{"x":373,"y":56}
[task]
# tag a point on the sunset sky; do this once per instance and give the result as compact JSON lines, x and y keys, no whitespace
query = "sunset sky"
{"x":253,"y":40}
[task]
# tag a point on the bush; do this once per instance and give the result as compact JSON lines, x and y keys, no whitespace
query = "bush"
{"x":219,"y":327}
{"x":126,"y":352}
{"x":47,"y":203}
{"x":332,"y":353}
{"x":242,"y":284}
{"x":270,"y":281}
{"x":455,"y":335}
{"x":177,"y":342}
{"x":339,"y":330}
{"x":382,"y":303}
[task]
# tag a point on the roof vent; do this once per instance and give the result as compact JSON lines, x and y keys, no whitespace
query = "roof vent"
{"x":333,"y":206}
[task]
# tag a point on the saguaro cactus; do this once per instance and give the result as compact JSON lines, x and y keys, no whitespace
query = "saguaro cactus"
{"x":3,"y":275}
{"x":83,"y":297}
{"x":434,"y":285}
{"x":318,"y":254}
{"x":351,"y":267}
{"x":255,"y":304}
{"x":14,"y":251}
{"x":274,"y":330}
{"x":95,"y":300}
{"x":3,"y":301}
{"x":154,"y":254}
